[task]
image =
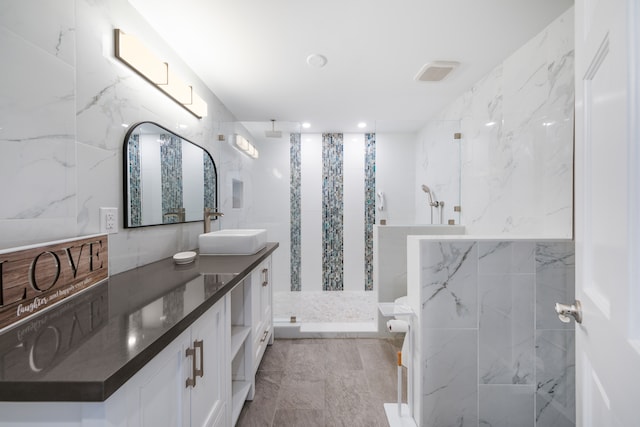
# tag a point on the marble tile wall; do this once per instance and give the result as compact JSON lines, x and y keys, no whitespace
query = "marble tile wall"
{"x":493,"y":351}
{"x":66,"y":102}
{"x":517,"y":142}
{"x":438,"y":166}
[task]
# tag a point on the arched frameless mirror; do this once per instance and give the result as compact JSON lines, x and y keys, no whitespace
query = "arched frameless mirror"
{"x":167,"y":179}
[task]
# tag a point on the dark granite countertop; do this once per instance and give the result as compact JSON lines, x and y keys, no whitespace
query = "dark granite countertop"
{"x":88,"y":346}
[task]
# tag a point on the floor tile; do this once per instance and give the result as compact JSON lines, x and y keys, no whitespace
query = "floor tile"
{"x":260,"y":411}
{"x":299,"y":418}
{"x":324,"y":382}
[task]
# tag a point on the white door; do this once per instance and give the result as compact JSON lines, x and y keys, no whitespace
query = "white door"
{"x":607,"y":212}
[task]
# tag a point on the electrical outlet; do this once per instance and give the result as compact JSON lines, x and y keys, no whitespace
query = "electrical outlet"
{"x":109,"y":220}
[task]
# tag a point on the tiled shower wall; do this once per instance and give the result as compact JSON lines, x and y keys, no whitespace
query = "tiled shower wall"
{"x":342,"y":224}
{"x":493,"y":352}
{"x":516,"y":146}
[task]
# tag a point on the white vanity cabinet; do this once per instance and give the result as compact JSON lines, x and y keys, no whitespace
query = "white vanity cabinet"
{"x":209,"y":391}
{"x":251,"y":331}
{"x":261,"y":308}
{"x":221,"y":351}
{"x":201,"y":377}
{"x":186,"y":383}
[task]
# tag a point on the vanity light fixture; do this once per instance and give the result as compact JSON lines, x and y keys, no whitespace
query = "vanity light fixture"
{"x":138,"y":57}
{"x":246,"y":147}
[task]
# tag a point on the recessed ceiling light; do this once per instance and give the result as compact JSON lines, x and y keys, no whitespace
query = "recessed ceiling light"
{"x":316,"y":60}
{"x":362,"y":125}
{"x":306,"y":125}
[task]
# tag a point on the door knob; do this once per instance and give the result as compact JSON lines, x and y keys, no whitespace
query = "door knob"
{"x":565,"y":310}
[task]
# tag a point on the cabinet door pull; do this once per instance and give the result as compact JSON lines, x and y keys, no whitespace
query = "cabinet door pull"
{"x":198,"y":372}
{"x":265,"y":276}
{"x":191,"y":352}
{"x":264,"y":336}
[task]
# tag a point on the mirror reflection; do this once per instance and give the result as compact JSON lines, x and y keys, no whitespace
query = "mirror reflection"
{"x":167,"y":178}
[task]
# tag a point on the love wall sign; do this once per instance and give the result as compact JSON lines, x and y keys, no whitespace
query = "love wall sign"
{"x":35,"y":278}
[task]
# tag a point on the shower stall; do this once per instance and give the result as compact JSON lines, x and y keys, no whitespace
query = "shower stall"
{"x":316,"y":194}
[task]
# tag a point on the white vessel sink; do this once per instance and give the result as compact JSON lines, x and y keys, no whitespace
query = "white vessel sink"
{"x":233,"y":242}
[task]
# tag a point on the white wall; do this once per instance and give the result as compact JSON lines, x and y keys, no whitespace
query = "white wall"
{"x":353,"y":220}
{"x":267,"y":191}
{"x":150,"y":173}
{"x":311,"y":212}
{"x":517,"y":140}
{"x":192,"y":179}
{"x":66,"y":102}
{"x":395,"y":177}
{"x":437,"y":162}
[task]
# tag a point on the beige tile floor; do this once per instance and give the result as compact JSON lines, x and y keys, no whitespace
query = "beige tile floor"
{"x":324,"y":382}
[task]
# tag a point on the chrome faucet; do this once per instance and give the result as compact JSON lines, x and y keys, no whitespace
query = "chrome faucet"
{"x":208,"y":213}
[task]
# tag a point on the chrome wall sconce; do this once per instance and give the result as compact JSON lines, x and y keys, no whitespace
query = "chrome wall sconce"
{"x":245,"y":146}
{"x":139,"y":58}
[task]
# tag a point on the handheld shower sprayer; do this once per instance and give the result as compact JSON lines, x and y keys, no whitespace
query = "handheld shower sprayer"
{"x":433,"y":203}
{"x":430,"y":195}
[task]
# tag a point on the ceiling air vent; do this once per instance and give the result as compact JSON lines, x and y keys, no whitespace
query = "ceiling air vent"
{"x":436,"y":71}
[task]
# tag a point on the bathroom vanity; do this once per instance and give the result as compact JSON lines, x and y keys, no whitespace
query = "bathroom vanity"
{"x":162,"y":344}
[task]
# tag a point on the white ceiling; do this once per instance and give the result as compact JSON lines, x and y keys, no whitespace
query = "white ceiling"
{"x":252,"y":53}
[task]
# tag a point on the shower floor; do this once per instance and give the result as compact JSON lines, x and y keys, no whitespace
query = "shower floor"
{"x":327,"y":311}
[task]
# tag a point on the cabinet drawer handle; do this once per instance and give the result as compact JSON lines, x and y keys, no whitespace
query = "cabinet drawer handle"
{"x":191,"y":352}
{"x":199,"y":344}
{"x":264,"y":336}
{"x":265,"y":276}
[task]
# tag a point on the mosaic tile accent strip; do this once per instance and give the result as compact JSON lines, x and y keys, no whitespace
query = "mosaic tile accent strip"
{"x":296,"y":210}
{"x":171,"y":176}
{"x":369,"y":206}
{"x":210,"y":183}
{"x":135,"y":196}
{"x":332,"y":212}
